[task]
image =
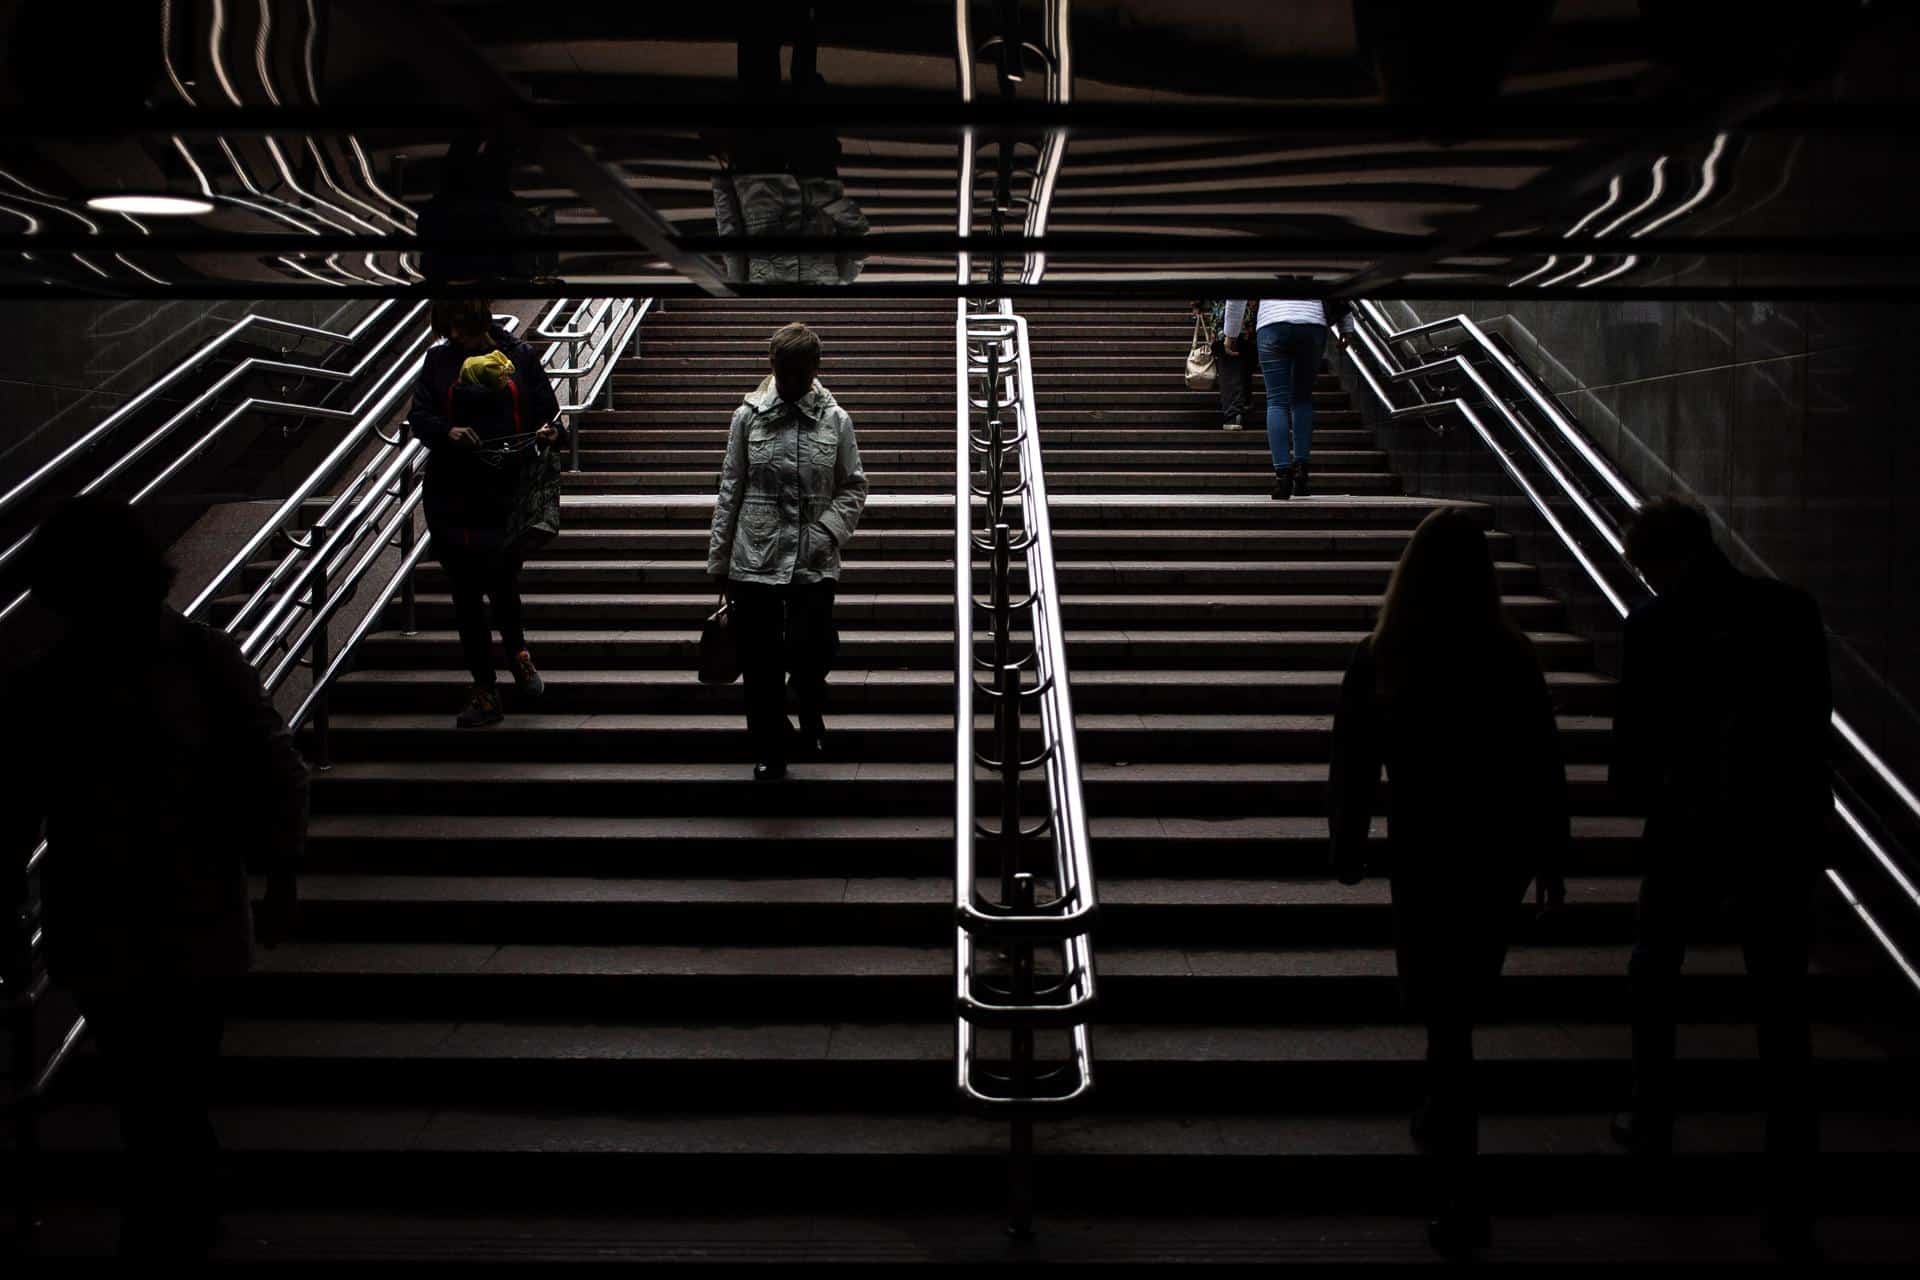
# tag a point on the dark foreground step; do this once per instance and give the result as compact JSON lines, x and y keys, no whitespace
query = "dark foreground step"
{"x":1161,"y":984}
{"x":890,"y":910}
{"x":470,"y":1159}
{"x":906,"y":1067}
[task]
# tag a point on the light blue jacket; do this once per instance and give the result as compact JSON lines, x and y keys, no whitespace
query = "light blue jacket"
{"x":791,"y":490}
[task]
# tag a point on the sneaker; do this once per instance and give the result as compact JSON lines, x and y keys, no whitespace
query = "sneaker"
{"x":1231,"y":424}
{"x":526,"y":676}
{"x":482,"y":709}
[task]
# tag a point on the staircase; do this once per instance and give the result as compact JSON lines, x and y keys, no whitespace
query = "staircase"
{"x":580,"y":962}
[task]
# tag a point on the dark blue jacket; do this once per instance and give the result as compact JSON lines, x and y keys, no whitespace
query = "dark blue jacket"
{"x":469,"y":502}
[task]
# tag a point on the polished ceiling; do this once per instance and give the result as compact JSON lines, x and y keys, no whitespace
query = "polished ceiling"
{"x":1586,"y":148}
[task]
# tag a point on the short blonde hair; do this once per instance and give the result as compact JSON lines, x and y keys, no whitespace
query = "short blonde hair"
{"x":794,"y":346}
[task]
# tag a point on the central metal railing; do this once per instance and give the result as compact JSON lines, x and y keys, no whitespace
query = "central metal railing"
{"x":1585,"y":501}
{"x":1023,"y":948}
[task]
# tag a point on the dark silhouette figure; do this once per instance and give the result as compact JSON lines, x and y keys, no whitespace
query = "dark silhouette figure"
{"x":1447,"y":695}
{"x":1720,"y":741}
{"x":479,"y":418}
{"x":792,"y":491}
{"x":162,"y":773}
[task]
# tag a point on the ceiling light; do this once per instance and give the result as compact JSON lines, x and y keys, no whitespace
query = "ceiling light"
{"x":157,"y":206}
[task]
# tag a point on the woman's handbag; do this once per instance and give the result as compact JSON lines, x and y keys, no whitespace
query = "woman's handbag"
{"x":536,"y":502}
{"x":719,"y":651}
{"x":1201,"y":373}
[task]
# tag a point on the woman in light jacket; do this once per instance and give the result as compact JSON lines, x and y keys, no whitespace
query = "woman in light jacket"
{"x":791,"y":493}
{"x":1447,"y":695}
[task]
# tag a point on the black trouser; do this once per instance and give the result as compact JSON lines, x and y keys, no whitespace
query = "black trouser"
{"x":782,"y":629}
{"x":1776,"y":927}
{"x":1235,"y":374}
{"x":478,"y":576}
{"x":160,"y":1047}
{"x":1451,"y":933}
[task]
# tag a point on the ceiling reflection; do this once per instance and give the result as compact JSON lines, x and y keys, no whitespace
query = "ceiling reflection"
{"x":1581,"y":148}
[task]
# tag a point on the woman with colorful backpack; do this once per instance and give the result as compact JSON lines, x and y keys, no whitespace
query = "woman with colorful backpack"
{"x":481,"y":406}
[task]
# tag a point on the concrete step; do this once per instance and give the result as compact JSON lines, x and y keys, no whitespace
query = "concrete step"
{"x":1272,"y":576}
{"x":1246,"y":480}
{"x":901,"y":1066}
{"x":901,"y":608}
{"x":880,"y":542}
{"x":1209,"y":789}
{"x":928,"y":648}
{"x":719,"y":735}
{"x":888,"y":689}
{"x":1198,"y":412}
{"x":1327,"y":514}
{"x":881,"y":458}
{"x":546,"y":1156}
{"x":1176,"y":442}
{"x":1171,"y":984}
{"x":694,"y":844}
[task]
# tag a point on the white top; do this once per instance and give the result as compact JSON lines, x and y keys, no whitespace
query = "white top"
{"x":1274,"y":311}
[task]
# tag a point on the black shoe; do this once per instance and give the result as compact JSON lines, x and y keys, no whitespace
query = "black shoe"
{"x":770,"y":771}
{"x":1300,"y":489}
{"x":1640,"y":1137}
{"x":482,"y":709}
{"x":526,"y":677}
{"x":1457,"y":1233}
{"x":813,"y":740}
{"x":1282,"y":484}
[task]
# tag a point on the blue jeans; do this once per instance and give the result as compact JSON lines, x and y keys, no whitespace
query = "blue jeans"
{"x":1289,"y":363}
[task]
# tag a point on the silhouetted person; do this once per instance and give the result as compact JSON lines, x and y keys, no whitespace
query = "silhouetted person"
{"x":1447,"y":695}
{"x":1234,"y":367}
{"x":1290,"y":338}
{"x":791,"y":493}
{"x":481,"y":398}
{"x":162,"y":773}
{"x":1720,"y":741}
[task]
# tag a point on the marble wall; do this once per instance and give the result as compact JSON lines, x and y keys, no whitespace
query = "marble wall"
{"x":1791,"y":422}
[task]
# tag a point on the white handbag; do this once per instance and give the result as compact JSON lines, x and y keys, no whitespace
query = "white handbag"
{"x":1201,"y":373}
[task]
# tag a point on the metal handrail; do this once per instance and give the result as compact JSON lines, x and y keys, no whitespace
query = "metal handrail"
{"x":1369,"y":347}
{"x":91,"y":439}
{"x":992,"y":355}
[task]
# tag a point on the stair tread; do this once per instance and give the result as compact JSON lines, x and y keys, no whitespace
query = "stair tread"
{"x":777,"y":827}
{"x":864,"y":961}
{"x":875,"y":772}
{"x":799,"y":1041}
{"x":554,"y":1131}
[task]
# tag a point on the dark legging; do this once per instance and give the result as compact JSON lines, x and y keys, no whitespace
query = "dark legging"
{"x":160,"y":1046}
{"x":477,"y":577}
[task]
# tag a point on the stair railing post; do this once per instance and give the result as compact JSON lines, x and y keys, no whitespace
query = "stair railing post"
{"x":409,"y":613}
{"x":1020,"y":1077}
{"x":568,"y":425}
{"x":317,"y":661}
